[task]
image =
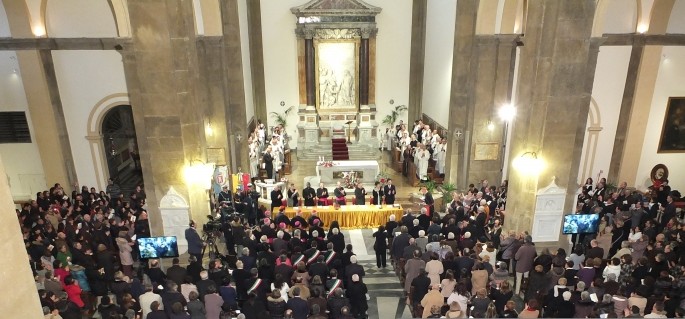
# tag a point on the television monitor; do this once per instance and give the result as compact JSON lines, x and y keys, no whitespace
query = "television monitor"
{"x":581,"y":223}
{"x":158,"y":247}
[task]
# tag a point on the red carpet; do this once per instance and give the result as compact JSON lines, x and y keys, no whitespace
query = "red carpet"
{"x":340,"y":152}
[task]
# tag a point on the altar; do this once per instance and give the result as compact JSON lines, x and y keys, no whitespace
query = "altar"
{"x":366,"y":171}
{"x":349,"y":216}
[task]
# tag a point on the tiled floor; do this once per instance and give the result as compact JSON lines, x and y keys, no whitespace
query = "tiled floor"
{"x":387,"y":297}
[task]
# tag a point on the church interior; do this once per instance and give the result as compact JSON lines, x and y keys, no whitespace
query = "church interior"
{"x":166,"y":94}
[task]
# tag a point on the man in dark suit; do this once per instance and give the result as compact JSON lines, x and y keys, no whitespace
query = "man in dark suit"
{"x":276,"y":198}
{"x":298,"y":306}
{"x":176,"y":273}
{"x":309,"y":195}
{"x":195,"y":243}
{"x":389,"y":190}
{"x":595,"y":251}
{"x":399,"y":243}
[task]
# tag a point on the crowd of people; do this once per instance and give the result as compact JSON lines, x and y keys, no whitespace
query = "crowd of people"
{"x":455,"y":264}
{"x":633,"y":267}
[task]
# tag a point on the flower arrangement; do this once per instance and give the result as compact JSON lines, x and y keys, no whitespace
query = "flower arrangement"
{"x":382,"y":177}
{"x":350,"y":180}
{"x":325,"y":163}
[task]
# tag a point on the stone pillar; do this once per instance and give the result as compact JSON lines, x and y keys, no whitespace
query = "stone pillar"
{"x":416,"y":59}
{"x":556,"y":73}
{"x":15,"y":265}
{"x":493,"y":81}
{"x":254,"y":28}
{"x":461,"y":96}
{"x":162,"y":76}
{"x":234,"y":93}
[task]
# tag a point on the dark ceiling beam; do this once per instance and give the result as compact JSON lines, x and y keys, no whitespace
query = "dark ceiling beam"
{"x":15,"y":44}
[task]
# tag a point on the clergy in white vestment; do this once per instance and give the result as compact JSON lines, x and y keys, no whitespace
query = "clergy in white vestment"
{"x":439,"y":154}
{"x":254,"y":159}
{"x":422,"y":156}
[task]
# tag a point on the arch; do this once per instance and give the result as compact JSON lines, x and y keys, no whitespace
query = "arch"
{"x":121,"y":17}
{"x":660,"y":15}
{"x":595,"y":114}
{"x":511,"y":20}
{"x":616,"y":16}
{"x":94,"y":137}
{"x":591,"y":141}
{"x":677,"y":23}
{"x":18,"y":18}
{"x":79,"y":18}
{"x":487,"y":17}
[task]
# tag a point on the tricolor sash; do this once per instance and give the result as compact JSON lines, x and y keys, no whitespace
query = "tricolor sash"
{"x":255,"y":285}
{"x":314,"y":256}
{"x":330,"y":257}
{"x":298,"y":260}
{"x":336,"y":284}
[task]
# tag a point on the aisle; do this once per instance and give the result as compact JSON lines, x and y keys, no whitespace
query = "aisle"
{"x":386,"y":292}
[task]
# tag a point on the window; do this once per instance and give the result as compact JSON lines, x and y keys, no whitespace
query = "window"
{"x":14,"y":128}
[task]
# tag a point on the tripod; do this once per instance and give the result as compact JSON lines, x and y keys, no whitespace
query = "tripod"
{"x":209,"y":238}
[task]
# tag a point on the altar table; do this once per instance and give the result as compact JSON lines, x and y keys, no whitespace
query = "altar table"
{"x":370,"y":170}
{"x":349,"y":216}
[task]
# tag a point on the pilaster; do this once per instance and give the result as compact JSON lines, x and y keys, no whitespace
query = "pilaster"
{"x":254,"y":26}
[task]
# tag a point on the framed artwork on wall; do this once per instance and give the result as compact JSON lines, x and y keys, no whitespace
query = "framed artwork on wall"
{"x":672,"y":139}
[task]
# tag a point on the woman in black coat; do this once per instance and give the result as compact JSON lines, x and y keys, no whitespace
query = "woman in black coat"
{"x":380,"y":246}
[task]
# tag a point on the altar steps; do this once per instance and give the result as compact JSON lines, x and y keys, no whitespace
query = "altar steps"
{"x":356,"y":152}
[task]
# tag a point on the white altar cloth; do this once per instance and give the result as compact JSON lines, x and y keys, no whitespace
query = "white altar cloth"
{"x":370,"y":170}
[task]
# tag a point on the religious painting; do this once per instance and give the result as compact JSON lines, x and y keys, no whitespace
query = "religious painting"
{"x":486,"y":152}
{"x":337,"y":74}
{"x":673,"y":131}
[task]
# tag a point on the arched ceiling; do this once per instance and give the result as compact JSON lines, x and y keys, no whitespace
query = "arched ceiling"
{"x":4,"y":23}
{"x":80,"y":18}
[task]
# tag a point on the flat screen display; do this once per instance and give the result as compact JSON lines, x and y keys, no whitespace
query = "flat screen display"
{"x":158,"y":247}
{"x":581,"y":224}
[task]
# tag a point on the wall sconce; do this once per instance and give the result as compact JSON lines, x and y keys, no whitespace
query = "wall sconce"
{"x":38,"y":30}
{"x":529,"y":164}
{"x":507,"y":112}
{"x":199,"y":174}
{"x":491,"y":126}
{"x":209,"y":131}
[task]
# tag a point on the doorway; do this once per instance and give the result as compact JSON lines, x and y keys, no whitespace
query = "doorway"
{"x":121,"y":149}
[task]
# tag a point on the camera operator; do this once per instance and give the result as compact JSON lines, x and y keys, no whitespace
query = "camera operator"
{"x":195,"y":243}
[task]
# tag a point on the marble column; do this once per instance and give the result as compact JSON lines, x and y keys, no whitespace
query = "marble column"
{"x":364,"y":71}
{"x":556,"y":73}
{"x":310,"y":71}
{"x":21,"y":300}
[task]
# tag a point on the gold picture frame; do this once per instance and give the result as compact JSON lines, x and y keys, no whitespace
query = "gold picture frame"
{"x":337,"y":74}
{"x":672,"y":138}
{"x":486,"y":151}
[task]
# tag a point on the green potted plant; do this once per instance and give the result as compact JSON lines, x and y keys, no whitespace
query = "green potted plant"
{"x":281,"y":118}
{"x":391,"y":118}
